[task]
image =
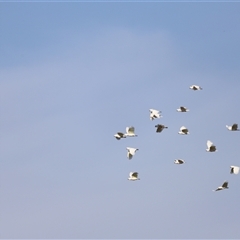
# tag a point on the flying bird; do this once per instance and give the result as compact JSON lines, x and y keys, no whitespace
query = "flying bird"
{"x":131,"y":152}
{"x":195,"y":87}
{"x":234,"y":127}
{"x":154,"y":114}
{"x":160,"y":127}
{"x":211,"y":147}
{"x":130,"y":132}
{"x":133,"y":176}
{"x":183,"y":131}
{"x":179,"y":161}
{"x":119,"y":135}
{"x":224,"y":186}
{"x":234,"y":170}
{"x":182,"y":109}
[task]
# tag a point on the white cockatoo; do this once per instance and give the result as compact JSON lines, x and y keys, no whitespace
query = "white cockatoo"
{"x":234,"y":127}
{"x":154,"y":114}
{"x":179,"y":161}
{"x":133,"y":176}
{"x":130,"y":132}
{"x":131,"y":152}
{"x":224,"y":186}
{"x":195,"y":87}
{"x":234,"y":170}
{"x":160,"y":127}
{"x":119,"y":135}
{"x":211,"y":147}
{"x":183,"y":131}
{"x":182,"y":109}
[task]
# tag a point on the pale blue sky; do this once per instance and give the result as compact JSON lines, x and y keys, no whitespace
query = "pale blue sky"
{"x":74,"y":74}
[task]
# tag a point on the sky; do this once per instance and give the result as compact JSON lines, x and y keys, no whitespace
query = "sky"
{"x":74,"y":74}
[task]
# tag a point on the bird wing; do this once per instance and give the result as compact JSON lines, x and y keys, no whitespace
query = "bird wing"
{"x":225,"y":184}
{"x":131,"y":150}
{"x":129,"y":155}
{"x":154,"y":111}
{"x":131,"y":174}
{"x":159,"y":128}
{"x":183,"y":109}
{"x":120,"y":134}
{"x":234,"y":126}
{"x":234,"y":169}
{"x":213,"y":148}
{"x":209,"y":143}
{"x":130,"y":130}
{"x":135,"y":174}
{"x":185,"y":130}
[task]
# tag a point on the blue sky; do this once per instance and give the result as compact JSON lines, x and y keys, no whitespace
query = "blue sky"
{"x":74,"y":74}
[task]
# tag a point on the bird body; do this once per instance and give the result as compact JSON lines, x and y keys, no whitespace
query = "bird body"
{"x":234,"y":170}
{"x":130,"y":132}
{"x":133,"y":176}
{"x":224,"y":186}
{"x":131,"y":152}
{"x":160,"y":127}
{"x":119,"y":135}
{"x":182,"y":109}
{"x":211,"y":147}
{"x":195,"y":87}
{"x":234,"y":127}
{"x":154,"y":114}
{"x":183,"y":131}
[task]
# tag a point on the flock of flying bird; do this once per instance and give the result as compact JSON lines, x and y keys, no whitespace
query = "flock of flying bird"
{"x":154,"y":114}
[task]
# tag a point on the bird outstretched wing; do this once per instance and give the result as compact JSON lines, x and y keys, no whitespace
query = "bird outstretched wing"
{"x":225,"y":184}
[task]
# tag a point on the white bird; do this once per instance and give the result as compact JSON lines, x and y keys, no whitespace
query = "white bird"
{"x":179,"y":161}
{"x":182,"y":109}
{"x":211,"y":147}
{"x":195,"y":87}
{"x":130,"y":132}
{"x":119,"y":135}
{"x":234,"y":169}
{"x":160,"y":127}
{"x":131,"y":152}
{"x":154,"y":114}
{"x":224,"y":186}
{"x":183,"y":131}
{"x":234,"y":127}
{"x":133,"y":176}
